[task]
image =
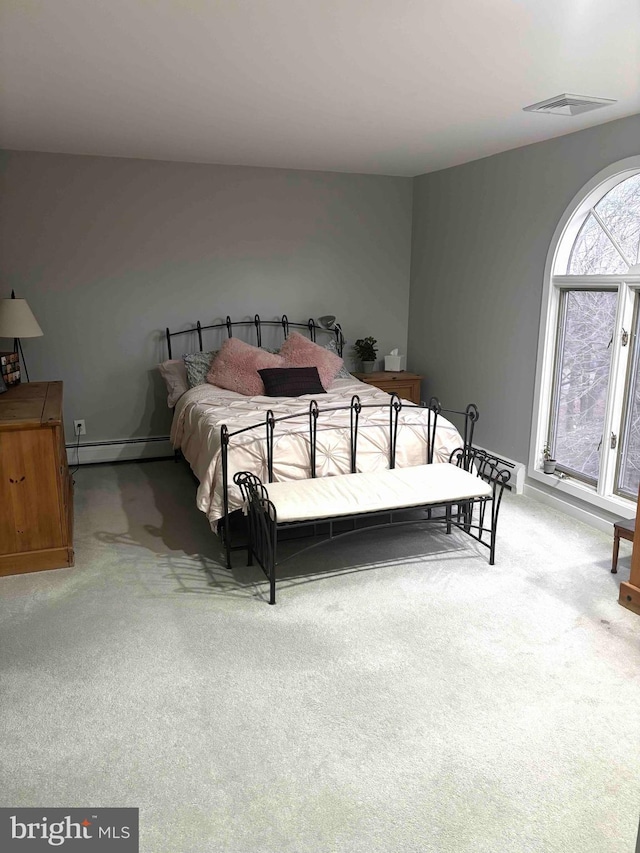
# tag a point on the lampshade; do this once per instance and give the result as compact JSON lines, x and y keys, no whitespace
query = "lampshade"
{"x":327,"y":321}
{"x":17,"y":320}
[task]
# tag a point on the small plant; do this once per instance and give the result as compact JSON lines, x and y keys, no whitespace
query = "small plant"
{"x":366,"y":349}
{"x":548,"y":462}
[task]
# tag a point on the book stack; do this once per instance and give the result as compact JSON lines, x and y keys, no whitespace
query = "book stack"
{"x":10,"y":368}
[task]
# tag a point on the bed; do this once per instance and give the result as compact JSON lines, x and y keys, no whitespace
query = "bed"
{"x":353,"y":427}
{"x":202,"y":412}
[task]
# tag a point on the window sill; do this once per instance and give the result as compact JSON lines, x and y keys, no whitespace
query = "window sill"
{"x":575,"y":489}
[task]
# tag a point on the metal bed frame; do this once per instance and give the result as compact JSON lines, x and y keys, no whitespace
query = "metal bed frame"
{"x":467,"y":457}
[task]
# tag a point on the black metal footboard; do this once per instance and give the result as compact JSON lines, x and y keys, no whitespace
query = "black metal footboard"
{"x":396,"y":405}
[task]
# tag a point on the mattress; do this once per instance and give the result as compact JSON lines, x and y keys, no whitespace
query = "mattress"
{"x":201,"y":412}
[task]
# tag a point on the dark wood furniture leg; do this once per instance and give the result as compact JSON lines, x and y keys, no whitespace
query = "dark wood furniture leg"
{"x":623,"y":528}
{"x":630,"y":592}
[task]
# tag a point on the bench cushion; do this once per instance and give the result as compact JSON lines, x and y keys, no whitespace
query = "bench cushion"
{"x":346,"y":494}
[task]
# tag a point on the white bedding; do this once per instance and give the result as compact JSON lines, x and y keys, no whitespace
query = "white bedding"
{"x":201,"y":412}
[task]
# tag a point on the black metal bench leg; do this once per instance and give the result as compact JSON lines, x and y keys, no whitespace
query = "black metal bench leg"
{"x":227,"y":541}
{"x":272,"y":567}
{"x":494,"y":525}
{"x":250,"y":538}
{"x":468,"y":515}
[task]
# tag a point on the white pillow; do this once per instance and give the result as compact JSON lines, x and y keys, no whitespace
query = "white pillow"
{"x":174,"y":373}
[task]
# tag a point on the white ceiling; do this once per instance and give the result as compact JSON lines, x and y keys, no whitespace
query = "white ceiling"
{"x":397,"y":87}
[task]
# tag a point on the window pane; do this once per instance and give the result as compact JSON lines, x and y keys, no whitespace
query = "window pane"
{"x":629,"y":468}
{"x":582,"y":377}
{"x":620,"y":212}
{"x":593,"y":252}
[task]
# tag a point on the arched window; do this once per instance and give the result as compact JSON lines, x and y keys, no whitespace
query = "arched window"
{"x":587,"y":408}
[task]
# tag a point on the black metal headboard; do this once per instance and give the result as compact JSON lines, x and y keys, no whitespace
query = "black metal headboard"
{"x":311,"y":326}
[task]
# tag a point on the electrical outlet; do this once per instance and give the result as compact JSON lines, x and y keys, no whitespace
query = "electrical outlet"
{"x":79,"y":428}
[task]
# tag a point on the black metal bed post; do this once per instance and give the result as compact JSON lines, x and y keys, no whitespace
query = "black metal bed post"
{"x":312,"y":329}
{"x":229,"y":326}
{"x":256,"y":321}
{"x":199,"y":330}
{"x":432,"y":421}
{"x":471,"y":417}
{"x":434,"y":410}
{"x":313,"y":429}
{"x":356,"y":408}
{"x":224,"y":445}
{"x":176,"y":450}
{"x":285,"y":326}
{"x":270,"y":424}
{"x":395,"y":404}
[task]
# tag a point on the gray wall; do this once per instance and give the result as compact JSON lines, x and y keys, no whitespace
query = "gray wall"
{"x":109,"y":251}
{"x":481,"y":233}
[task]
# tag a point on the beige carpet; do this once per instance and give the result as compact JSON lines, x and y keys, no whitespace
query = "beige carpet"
{"x":402,"y":697}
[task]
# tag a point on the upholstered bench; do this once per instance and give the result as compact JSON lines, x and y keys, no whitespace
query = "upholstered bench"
{"x":353,"y":496}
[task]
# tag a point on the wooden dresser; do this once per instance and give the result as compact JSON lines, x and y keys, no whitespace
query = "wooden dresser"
{"x":405,"y":385}
{"x":36,"y":491}
{"x":630,"y":591}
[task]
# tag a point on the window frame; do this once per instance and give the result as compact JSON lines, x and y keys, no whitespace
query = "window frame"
{"x":630,"y":382}
{"x":601,"y":495}
{"x":560,"y":338}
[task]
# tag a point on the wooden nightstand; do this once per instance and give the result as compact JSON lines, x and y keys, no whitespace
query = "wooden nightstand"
{"x":405,"y":385}
{"x":36,"y":491}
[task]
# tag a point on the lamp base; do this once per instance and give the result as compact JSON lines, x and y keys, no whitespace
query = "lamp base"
{"x":17,"y":347}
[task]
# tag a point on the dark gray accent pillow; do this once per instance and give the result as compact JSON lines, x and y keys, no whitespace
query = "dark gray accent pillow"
{"x":291,"y":381}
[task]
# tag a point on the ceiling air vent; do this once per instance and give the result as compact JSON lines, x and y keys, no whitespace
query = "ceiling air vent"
{"x":568,"y":105}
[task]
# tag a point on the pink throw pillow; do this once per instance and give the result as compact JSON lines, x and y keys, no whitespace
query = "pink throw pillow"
{"x":298,"y":351}
{"x":236,"y":367}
